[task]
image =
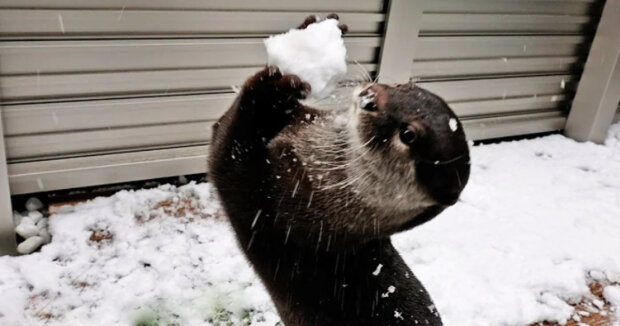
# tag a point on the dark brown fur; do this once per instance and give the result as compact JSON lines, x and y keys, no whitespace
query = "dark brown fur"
{"x":316,"y":250}
{"x":314,"y":202}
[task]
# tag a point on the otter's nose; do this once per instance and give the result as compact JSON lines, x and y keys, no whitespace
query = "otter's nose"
{"x":444,"y":182}
{"x":447,"y":196}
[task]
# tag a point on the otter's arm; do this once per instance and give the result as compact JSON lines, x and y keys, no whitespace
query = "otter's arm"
{"x":268,"y":101}
{"x":238,"y":158}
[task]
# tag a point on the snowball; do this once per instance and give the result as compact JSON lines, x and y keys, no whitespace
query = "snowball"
{"x":26,"y":220}
{"x":29,"y":245}
{"x":612,"y":294}
{"x":33,"y":204}
{"x":26,"y":230}
{"x":42,"y":224}
{"x":315,"y":54}
{"x":35,"y":216}
{"x":183,"y":180}
{"x":45,"y":234}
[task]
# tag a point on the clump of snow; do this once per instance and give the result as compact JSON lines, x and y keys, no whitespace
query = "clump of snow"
{"x":35,"y":216}
{"x":34,"y":204}
{"x":612,"y":295}
{"x":315,"y":54}
{"x":537,"y":222}
{"x":32,"y":227}
{"x":26,"y":228}
{"x":161,"y":256}
{"x":31,"y":244}
{"x":183,"y":180}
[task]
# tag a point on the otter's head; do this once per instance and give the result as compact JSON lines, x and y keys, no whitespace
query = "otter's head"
{"x":418,"y":139}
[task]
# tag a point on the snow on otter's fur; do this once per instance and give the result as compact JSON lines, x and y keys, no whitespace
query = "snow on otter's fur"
{"x":316,"y":54}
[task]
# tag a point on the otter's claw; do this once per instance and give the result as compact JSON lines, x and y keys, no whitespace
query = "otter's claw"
{"x":333,"y":15}
{"x":273,"y":71}
{"x":308,"y":21}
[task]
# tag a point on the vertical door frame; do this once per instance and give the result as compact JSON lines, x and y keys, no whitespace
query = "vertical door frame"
{"x":598,"y":93}
{"x":7,"y":227}
{"x":403,"y":21}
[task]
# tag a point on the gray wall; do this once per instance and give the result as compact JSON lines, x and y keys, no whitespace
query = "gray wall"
{"x":106,"y":91}
{"x":506,"y":67}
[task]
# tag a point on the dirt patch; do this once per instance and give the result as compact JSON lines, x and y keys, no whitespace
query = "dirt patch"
{"x":181,"y":208}
{"x":39,"y":306}
{"x":185,"y":208}
{"x":592,"y":310}
{"x":80,"y":285}
{"x":100,"y":237}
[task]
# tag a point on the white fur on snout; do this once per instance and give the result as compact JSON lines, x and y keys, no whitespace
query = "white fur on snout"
{"x":364,"y":186}
{"x":387,"y":180}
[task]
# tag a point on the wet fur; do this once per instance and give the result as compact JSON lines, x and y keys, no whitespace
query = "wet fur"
{"x":313,"y":203}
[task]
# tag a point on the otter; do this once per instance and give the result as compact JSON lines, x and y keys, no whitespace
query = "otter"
{"x":314,"y":197}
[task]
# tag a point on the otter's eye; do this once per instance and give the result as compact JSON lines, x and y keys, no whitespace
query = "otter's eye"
{"x":408,"y":136}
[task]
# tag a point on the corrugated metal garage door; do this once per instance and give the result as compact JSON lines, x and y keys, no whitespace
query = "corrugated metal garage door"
{"x":97,"y":92}
{"x":506,"y":67}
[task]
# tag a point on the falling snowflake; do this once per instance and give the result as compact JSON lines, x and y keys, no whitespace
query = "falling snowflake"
{"x":453,"y":124}
{"x":378,"y":270}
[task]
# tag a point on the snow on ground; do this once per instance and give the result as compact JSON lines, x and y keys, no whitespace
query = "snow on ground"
{"x":538,"y":220}
{"x":151,"y":257}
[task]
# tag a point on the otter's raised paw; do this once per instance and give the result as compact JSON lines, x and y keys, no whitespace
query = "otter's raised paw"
{"x":313,"y":19}
{"x":270,"y":79}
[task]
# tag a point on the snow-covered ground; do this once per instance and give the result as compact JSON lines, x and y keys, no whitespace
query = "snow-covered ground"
{"x":537,"y":222}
